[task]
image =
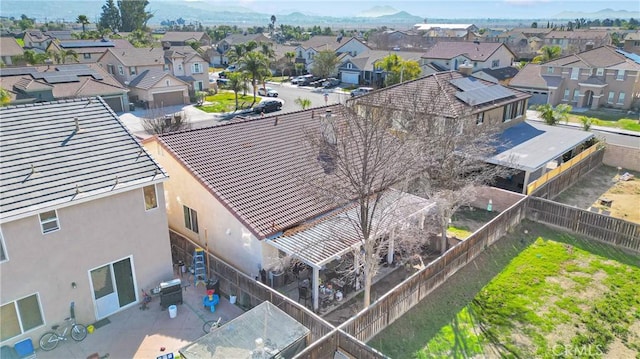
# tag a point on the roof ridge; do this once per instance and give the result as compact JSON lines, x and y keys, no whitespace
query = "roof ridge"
{"x":446,"y":96}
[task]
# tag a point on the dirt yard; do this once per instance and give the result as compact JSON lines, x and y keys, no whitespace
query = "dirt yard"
{"x":604,"y":183}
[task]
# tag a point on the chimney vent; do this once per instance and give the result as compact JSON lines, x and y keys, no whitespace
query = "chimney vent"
{"x":328,"y":113}
{"x":275,"y":122}
{"x":466,"y":68}
{"x":313,"y":113}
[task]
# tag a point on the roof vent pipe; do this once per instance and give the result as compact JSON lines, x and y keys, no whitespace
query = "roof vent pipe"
{"x":77,"y":125}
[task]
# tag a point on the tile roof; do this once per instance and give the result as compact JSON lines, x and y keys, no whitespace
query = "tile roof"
{"x":235,"y":39}
{"x":320,"y":43}
{"x":529,"y":77}
{"x":254,"y":167}
{"x":501,"y":74}
{"x":474,"y":51}
{"x":367,"y":59}
{"x":46,"y":163}
{"x":632,"y":36}
{"x":141,"y":56}
{"x":439,"y":92}
{"x":182,"y":35}
{"x":603,"y":56}
{"x":10,"y":47}
{"x":577,"y":34}
{"x":147,"y":78}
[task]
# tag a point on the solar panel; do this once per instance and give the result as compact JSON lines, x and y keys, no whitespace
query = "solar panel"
{"x":79,"y":70}
{"x":484,"y":95}
{"x":17,"y":71}
{"x":56,"y":78}
{"x":467,"y":83}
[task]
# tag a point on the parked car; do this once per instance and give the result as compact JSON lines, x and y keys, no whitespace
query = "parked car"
{"x":299,"y":79}
{"x":361,"y":91}
{"x":231,"y":68}
{"x":222,"y":82}
{"x":268,"y":106}
{"x":331,"y":82}
{"x":317,"y":83}
{"x":222,"y":75}
{"x":308,"y":80}
{"x":269,"y":92}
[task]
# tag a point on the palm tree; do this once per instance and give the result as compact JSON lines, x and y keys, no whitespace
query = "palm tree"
{"x":547,"y":53}
{"x":237,"y":52}
{"x":60,"y":57}
{"x":236,"y":84}
{"x":256,"y":65}
{"x":5,"y":97}
{"x":82,"y":19}
{"x":33,"y":58}
{"x":266,"y":48}
{"x":303,"y":102}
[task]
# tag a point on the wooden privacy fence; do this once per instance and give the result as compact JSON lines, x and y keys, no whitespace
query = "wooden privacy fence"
{"x":613,"y":231}
{"x":249,"y":291}
{"x":338,"y":340}
{"x":560,"y":178}
{"x":380,"y":314}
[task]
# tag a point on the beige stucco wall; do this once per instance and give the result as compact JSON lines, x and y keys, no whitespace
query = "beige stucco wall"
{"x":629,"y":86}
{"x":628,"y":158}
{"x":91,"y":234}
{"x":219,"y":231}
{"x":161,"y":87}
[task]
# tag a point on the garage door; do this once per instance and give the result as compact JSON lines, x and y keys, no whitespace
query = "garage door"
{"x":349,"y":78}
{"x":115,"y":103}
{"x":539,"y":98}
{"x":168,"y":99}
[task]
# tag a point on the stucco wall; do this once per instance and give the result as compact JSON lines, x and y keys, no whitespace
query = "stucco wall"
{"x":219,"y":231}
{"x":620,"y":156}
{"x":91,"y":234}
{"x":500,"y":199}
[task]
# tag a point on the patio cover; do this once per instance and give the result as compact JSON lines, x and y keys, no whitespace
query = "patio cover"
{"x":319,"y":242}
{"x":529,"y":146}
{"x":281,"y":335}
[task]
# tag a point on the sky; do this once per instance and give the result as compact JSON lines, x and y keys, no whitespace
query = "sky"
{"x":438,"y":8}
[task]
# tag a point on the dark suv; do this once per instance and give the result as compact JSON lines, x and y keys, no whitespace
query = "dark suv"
{"x":267,"y":106}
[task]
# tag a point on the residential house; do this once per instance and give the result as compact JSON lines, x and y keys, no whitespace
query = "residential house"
{"x":446,"y":30}
{"x":395,"y":39}
{"x":524,"y":42}
{"x":364,"y":68}
{"x":220,"y":54}
{"x":184,"y":38}
{"x":188,"y":72}
{"x":36,"y":40}
{"x":9,"y":50}
{"x":599,"y":77}
{"x":500,"y":76}
{"x":82,"y":218}
{"x":308,"y":49}
{"x":89,"y":51}
{"x":573,"y":42}
{"x":57,"y":82}
{"x":632,"y":42}
{"x":236,"y":190}
{"x":481,"y":55}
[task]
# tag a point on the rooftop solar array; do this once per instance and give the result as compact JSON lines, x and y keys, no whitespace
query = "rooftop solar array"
{"x":467,"y":83}
{"x":80,"y":44}
{"x":16,"y":71}
{"x":482,"y":95}
{"x":62,"y":74}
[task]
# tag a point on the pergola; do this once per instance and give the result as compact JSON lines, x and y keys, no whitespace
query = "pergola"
{"x":321,"y":241}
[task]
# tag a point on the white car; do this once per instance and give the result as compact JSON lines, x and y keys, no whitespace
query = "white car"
{"x":269,"y":92}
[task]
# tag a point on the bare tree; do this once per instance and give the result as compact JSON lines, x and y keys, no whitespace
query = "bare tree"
{"x":157,"y":121}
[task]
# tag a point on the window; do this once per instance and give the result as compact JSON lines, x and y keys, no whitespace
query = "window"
{"x":519,"y":109}
{"x":198,"y":85}
{"x":179,"y":67}
{"x":495,"y":63}
{"x":480,"y":118}
{"x":132,"y":70}
{"x":549,"y":69}
{"x":566,"y":95}
{"x":3,"y":253}
{"x":165,"y":67}
{"x":20,"y":316}
{"x":475,"y":64}
{"x":575,"y":72}
{"x":190,"y":219}
{"x":576,"y":94}
{"x":111,"y":69}
{"x":86,"y":56}
{"x":600,"y":71}
{"x":150,"y":197}
{"x":197,"y":68}
{"x":349,"y":66}
{"x":611,"y":95}
{"x":120,"y":70}
{"x":49,"y":221}
{"x":620,"y":76}
{"x":621,"y":98}
{"x":506,"y":116}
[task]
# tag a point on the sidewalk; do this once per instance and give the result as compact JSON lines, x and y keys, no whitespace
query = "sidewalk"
{"x":533,"y":115}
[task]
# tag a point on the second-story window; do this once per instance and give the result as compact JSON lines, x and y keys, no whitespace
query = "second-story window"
{"x":132,"y":70}
{"x":190,"y":218}
{"x":495,"y":63}
{"x":549,"y":69}
{"x":150,"y":197}
{"x":599,"y":71}
{"x":120,"y":70}
{"x":49,"y":221}
{"x":621,"y":98}
{"x":165,"y":67}
{"x":196,"y":68}
{"x":480,"y":118}
{"x":620,"y":76}
{"x":575,"y":72}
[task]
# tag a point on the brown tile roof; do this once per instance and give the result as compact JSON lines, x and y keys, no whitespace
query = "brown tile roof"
{"x":9,"y":47}
{"x":529,"y":77}
{"x":603,"y":56}
{"x":182,"y":36}
{"x":577,"y":35}
{"x":474,"y":51}
{"x":635,"y":36}
{"x":254,"y":167}
{"x":142,"y":56}
{"x":438,"y":91}
{"x":320,"y":43}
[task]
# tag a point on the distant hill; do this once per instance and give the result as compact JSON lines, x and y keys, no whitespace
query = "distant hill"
{"x":378,"y":11}
{"x":602,"y":14}
{"x":401,"y":17}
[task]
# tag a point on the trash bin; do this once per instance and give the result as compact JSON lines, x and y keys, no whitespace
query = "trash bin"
{"x":213,"y":283}
{"x":173,"y":311}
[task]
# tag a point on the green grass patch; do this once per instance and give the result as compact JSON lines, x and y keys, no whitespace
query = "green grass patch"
{"x":608,"y":119}
{"x":20,"y":42}
{"x":226,"y":102}
{"x":461,"y":232}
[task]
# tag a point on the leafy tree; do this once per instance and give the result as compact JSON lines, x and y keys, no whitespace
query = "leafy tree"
{"x":25,"y":22}
{"x":325,"y":63}
{"x":236,"y":84}
{"x":256,"y":66}
{"x":140,"y":38}
{"x":398,"y":70}
{"x":61,"y":57}
{"x":110,"y":17}
{"x":133,"y":14}
{"x":552,"y":116}
{"x":237,"y":52}
{"x":33,"y":58}
{"x":5,"y":97}
{"x":304,"y":103}
{"x":82,"y":19}
{"x":547,"y":53}
{"x":266,"y":48}
{"x":534,"y":25}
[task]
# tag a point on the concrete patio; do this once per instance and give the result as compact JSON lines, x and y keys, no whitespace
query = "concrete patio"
{"x":136,"y":333}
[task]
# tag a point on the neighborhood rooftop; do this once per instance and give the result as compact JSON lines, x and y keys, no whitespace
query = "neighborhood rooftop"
{"x":57,"y":153}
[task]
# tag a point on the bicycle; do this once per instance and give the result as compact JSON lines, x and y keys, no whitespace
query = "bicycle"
{"x":210,"y":325}
{"x":49,"y":340}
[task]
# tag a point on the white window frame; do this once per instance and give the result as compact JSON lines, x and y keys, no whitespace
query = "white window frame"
{"x":165,"y":67}
{"x":621,"y":97}
{"x":196,"y":68}
{"x":575,"y":73}
{"x":600,"y":71}
{"x":42,"y":223}
{"x":506,"y":116}
{"x":3,"y":249}
{"x":349,"y":66}
{"x":620,"y":75}
{"x":495,"y":63}
{"x":612,"y":95}
{"x":190,"y":226}
{"x":576,"y":94}
{"x":17,"y":309}
{"x":144,"y":197}
{"x":179,"y":67}
{"x":566,"y":95}
{"x":120,"y":70}
{"x":549,"y":69}
{"x":86,"y":56}
{"x":480,"y":119}
{"x":132,"y":70}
